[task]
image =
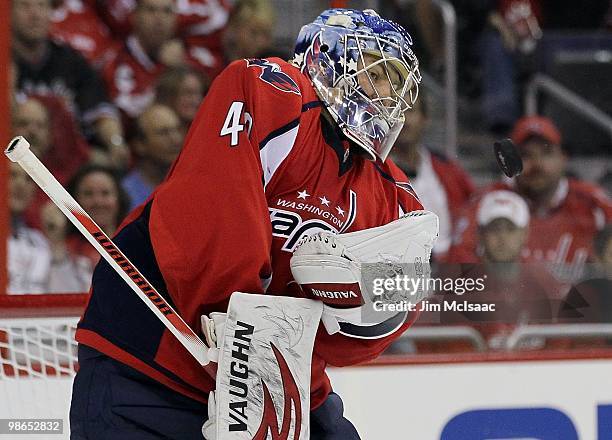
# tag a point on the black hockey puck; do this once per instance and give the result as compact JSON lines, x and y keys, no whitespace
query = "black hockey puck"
{"x":508,"y":157}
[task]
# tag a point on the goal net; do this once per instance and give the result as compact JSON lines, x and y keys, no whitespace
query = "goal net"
{"x":38,"y":357}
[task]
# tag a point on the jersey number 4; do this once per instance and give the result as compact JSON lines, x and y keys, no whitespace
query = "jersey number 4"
{"x":233,"y":126}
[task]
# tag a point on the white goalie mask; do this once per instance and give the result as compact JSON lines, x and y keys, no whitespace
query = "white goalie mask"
{"x":365,"y":72}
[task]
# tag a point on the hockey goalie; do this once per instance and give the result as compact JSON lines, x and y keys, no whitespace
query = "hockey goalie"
{"x":282,"y":191}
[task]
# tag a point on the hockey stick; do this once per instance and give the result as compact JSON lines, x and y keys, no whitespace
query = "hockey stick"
{"x":19,"y":151}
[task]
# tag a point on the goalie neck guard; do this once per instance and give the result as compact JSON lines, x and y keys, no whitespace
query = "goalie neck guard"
{"x":339,"y":51}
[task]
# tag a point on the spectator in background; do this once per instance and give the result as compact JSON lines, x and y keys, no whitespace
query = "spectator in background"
{"x":506,"y":47}
{"x":182,"y":89}
{"x":55,"y":140}
{"x":566,"y":213}
{"x":514,"y":28}
{"x":31,"y":120}
{"x":471,"y":21}
{"x":441,"y":184}
{"x":50,"y":129}
{"x":503,"y":219}
{"x":98,"y":190}
{"x":508,"y":44}
{"x":157,"y":143}
{"x":521,"y":293}
{"x":45,"y":67}
{"x":152,"y":46}
{"x":77,"y":23}
{"x":249,"y":30}
{"x":29,"y":257}
{"x":69,"y":272}
{"x":200,"y":27}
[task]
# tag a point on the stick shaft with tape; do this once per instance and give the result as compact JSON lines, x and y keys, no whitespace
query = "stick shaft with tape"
{"x":19,"y":151}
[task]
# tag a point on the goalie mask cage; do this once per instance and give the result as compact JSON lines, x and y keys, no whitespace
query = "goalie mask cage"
{"x":38,"y":357}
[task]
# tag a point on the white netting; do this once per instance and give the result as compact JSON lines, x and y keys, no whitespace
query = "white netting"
{"x":37,"y":347}
{"x":38,"y":361}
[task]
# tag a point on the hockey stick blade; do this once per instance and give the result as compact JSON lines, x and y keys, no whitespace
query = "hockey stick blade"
{"x":18,"y":151}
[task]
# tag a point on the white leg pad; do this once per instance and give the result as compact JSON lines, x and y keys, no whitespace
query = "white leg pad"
{"x":263,"y":375}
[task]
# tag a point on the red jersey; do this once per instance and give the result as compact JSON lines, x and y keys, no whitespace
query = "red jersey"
{"x":131,"y":76}
{"x":76,"y":23}
{"x":261,"y":168}
{"x":196,"y":18}
{"x":455,"y":180}
{"x":562,"y":234}
{"x":200,"y":24}
{"x":200,"y":21}
{"x":68,"y":151}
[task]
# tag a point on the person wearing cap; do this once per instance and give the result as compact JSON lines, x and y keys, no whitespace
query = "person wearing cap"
{"x":520,"y":292}
{"x":544,"y":161}
{"x":565,"y":213}
{"x":503,"y":218}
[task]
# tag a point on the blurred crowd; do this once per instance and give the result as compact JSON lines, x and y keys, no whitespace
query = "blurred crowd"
{"x":105,"y":91}
{"x":501,"y":44}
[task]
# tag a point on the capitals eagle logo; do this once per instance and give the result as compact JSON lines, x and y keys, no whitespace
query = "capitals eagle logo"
{"x":273,"y":75}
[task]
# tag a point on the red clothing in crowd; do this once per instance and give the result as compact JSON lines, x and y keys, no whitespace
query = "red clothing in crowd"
{"x":68,"y":151}
{"x":562,"y":234}
{"x":117,"y":16}
{"x":130,"y":78}
{"x":456,"y":181}
{"x":534,"y":6}
{"x":444,"y":188}
{"x":77,"y":23}
{"x":200,"y":24}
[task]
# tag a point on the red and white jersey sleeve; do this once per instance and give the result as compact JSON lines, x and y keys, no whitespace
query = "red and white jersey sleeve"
{"x":206,"y":254}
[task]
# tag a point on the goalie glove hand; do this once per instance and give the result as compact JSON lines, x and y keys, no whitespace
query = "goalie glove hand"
{"x":328,"y":267}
